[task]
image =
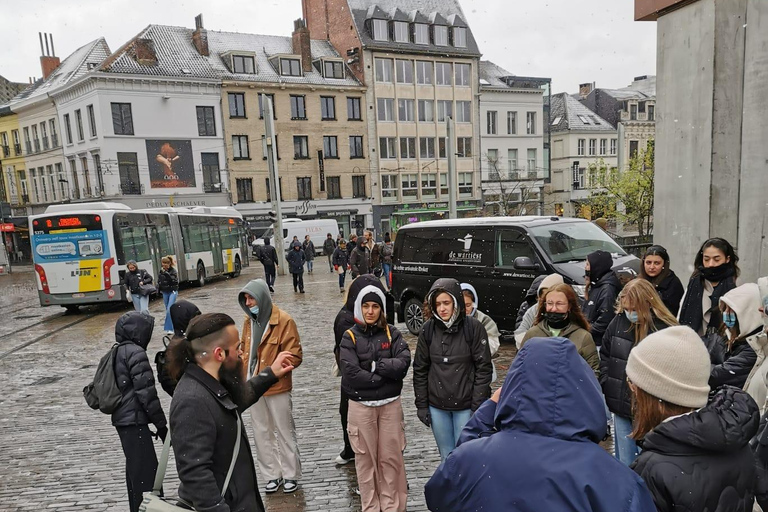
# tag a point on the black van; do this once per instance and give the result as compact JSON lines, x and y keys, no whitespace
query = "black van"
{"x":499,"y":256}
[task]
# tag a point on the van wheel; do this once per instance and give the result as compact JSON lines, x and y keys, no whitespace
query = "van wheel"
{"x":200,"y":275}
{"x":238,"y":268}
{"x":414,"y":316}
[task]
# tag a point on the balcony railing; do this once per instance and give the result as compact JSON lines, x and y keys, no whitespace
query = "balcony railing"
{"x":29,"y":147}
{"x":45,"y":143}
{"x":17,"y":149}
{"x":54,"y":140}
{"x":37,"y":146}
{"x":6,"y":151}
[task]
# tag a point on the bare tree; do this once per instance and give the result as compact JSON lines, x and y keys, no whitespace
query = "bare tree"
{"x":513,"y":191}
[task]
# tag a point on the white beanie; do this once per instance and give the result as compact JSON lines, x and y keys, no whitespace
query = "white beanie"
{"x":550,"y":281}
{"x":672,"y":364}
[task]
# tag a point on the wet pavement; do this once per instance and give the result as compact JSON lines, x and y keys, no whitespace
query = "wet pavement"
{"x":57,"y":454}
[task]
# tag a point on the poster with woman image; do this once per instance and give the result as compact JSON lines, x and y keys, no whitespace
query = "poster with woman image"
{"x":170,"y":163}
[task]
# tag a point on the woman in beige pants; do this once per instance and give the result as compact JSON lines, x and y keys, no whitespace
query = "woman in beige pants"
{"x":374,"y":361}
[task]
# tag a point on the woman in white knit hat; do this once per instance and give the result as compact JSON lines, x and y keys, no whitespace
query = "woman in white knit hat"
{"x":696,"y":453}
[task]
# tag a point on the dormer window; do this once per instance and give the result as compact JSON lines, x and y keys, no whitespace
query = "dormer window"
{"x":243,"y":64}
{"x":333,"y":69}
{"x":380,"y":32}
{"x":421,"y":33}
{"x":460,"y":37}
{"x":290,"y":67}
{"x":441,"y":35}
{"x":401,"y":32}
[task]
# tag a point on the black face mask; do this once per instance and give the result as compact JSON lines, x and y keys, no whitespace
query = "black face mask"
{"x":556,"y":320}
{"x":718,"y":273}
{"x":587,"y":273}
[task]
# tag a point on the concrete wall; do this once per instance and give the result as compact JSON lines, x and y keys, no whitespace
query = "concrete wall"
{"x":711,"y":155}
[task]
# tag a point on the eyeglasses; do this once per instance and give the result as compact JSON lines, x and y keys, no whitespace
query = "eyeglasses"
{"x":556,"y":304}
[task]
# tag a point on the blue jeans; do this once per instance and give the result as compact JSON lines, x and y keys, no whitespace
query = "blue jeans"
{"x":624,"y":447}
{"x":447,"y":426}
{"x":169,"y":298}
{"x":386,"y":268}
{"x":140,"y":302}
{"x":342,"y":278}
{"x":310,"y":264}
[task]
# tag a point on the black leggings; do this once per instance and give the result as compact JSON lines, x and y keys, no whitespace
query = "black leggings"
{"x":298,"y":281}
{"x":344,"y":412}
{"x":140,"y":462}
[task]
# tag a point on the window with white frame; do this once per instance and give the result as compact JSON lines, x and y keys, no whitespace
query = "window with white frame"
{"x":424,"y":72}
{"x":410,"y":184}
{"x":462,"y":74}
{"x":404,"y":71}
{"x":387,"y":147}
{"x":530,"y":123}
{"x":421,"y":33}
{"x":384,"y":70}
{"x":465,"y":184}
{"x":511,"y":123}
{"x":390,"y":190}
{"x":443,"y":71}
{"x":427,"y":147}
{"x":592,"y":147}
{"x":512,"y":159}
{"x":464,"y":147}
{"x":491,"y":124}
{"x":581,"y":146}
{"x":407,"y":148}
{"x":532,"y":160}
{"x":380,"y":30}
{"x":444,"y":110}
{"x":603,"y":146}
{"x":386,"y":109}
{"x":401,"y":32}
{"x":429,"y":186}
{"x":440,"y":34}
{"x":492,"y":155}
{"x":463,"y":111}
{"x":459,"y":37}
{"x":614,"y":143}
{"x":405,"y":110}
{"x":426,"y":111}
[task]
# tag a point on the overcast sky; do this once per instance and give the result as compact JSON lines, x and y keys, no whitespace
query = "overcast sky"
{"x":568,"y":40}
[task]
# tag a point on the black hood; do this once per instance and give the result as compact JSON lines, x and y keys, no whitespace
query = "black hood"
{"x":608,"y":279}
{"x":600,"y":263}
{"x":182,"y":312}
{"x":453,"y":288}
{"x":533,"y":291}
{"x":358,"y":284}
{"x":724,"y":425}
{"x":136,"y":327}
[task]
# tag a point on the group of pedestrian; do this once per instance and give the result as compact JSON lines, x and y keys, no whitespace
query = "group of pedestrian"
{"x":139,"y":282}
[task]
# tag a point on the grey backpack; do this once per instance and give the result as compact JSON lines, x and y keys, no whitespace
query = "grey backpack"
{"x":103,"y":393}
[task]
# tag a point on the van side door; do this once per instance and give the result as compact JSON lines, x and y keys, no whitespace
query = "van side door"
{"x":513,"y":243}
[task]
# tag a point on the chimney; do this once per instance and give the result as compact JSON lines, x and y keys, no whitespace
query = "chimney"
{"x":585,"y":89}
{"x":48,"y":60}
{"x":301,"y":44}
{"x":144,"y":50}
{"x":200,"y":37}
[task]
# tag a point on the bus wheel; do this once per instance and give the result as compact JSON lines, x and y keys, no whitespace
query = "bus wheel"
{"x":72,"y":309}
{"x":200,"y":275}
{"x":236,"y":273}
{"x":414,"y":317}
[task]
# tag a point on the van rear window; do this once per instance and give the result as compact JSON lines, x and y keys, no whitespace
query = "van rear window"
{"x":452,"y":246}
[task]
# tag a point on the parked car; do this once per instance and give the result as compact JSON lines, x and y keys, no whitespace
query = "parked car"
{"x":316,"y":229}
{"x":499,"y":256}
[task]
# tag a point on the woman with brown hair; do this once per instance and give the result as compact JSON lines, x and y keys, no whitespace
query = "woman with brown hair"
{"x":696,"y":453}
{"x":560,"y":317}
{"x":639,"y":313}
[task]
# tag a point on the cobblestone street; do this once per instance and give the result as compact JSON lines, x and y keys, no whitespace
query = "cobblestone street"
{"x":57,"y":454}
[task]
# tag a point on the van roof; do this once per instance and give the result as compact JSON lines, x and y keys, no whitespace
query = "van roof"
{"x":526,"y":221}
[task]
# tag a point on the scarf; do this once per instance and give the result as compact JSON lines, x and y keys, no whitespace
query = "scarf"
{"x":691,"y":313}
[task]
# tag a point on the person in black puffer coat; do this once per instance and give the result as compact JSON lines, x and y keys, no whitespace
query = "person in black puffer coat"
{"x":602,"y":289}
{"x":134,"y":278}
{"x":696,"y":453}
{"x":531,"y":298}
{"x":139,"y":406}
{"x":639,"y":313}
{"x":655,"y":269}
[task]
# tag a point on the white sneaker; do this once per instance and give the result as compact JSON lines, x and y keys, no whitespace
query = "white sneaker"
{"x":341,"y":460}
{"x":290,"y":486}
{"x":273,"y":485}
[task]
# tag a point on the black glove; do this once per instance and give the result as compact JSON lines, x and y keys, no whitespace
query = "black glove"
{"x":162,"y":432}
{"x":424,"y":416}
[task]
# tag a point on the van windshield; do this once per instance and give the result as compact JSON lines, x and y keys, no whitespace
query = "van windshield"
{"x":269,"y":233}
{"x":573,"y":241}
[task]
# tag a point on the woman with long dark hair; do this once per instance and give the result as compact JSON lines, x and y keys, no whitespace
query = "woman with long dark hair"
{"x":168,"y":284}
{"x":714,"y":275}
{"x":639,"y":313}
{"x":656,"y":270}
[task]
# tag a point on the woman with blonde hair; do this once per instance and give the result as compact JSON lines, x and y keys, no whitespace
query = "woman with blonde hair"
{"x":168,"y":284}
{"x":560,"y":317}
{"x":640,"y":312}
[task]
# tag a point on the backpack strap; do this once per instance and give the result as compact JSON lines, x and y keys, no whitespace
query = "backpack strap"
{"x":352,"y":335}
{"x":389,"y":334}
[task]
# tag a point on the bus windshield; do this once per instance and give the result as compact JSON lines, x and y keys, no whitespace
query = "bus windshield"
{"x":573,"y":241}
{"x":68,"y":237}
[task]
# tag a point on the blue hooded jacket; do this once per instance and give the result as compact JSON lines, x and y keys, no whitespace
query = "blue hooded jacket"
{"x":537,"y":449}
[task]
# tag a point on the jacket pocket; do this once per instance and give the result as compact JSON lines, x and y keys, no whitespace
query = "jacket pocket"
{"x":354,"y":439}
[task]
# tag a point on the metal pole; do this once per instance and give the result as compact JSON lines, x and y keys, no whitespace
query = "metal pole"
{"x":271,"y":143}
{"x":452,"y":178}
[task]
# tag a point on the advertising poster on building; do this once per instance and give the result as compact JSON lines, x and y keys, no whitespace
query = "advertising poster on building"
{"x":170,"y":163}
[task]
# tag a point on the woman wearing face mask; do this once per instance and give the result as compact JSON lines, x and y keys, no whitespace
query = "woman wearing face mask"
{"x":560,"y":317}
{"x":655,"y":269}
{"x":471,"y":302}
{"x":640,"y":312}
{"x":374,"y":361}
{"x":731,"y":354}
{"x":715,"y":275}
{"x":452,"y":368}
{"x":602,"y":289}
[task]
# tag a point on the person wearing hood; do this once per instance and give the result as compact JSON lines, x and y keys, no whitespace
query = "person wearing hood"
{"x":268,"y":258}
{"x":471,"y":305}
{"x":139,"y":406}
{"x":534,"y":445}
{"x":531,"y":298}
{"x":731,"y":353}
{"x":756,"y":384}
{"x":296,"y":259}
{"x":360,"y":260}
{"x":374,"y":361}
{"x":345,"y":320}
{"x":715,"y":272}
{"x":560,"y":316}
{"x":639,"y":313}
{"x":529,"y":318}
{"x":182,"y":312}
{"x":329,"y":248}
{"x":135,"y":277}
{"x":452,"y":368}
{"x":696,"y":453}
{"x":340,"y":262}
{"x":602,"y":289}
{"x":309,"y":253}
{"x":267,"y":332}
{"x":656,"y":270}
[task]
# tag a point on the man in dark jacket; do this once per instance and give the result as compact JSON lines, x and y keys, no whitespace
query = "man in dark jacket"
{"x":205,"y":411}
{"x":328,"y":247}
{"x":268,"y":258}
{"x":452,"y":369}
{"x":602,"y":290}
{"x":139,"y":405}
{"x":360,"y":260}
{"x":296,"y":259}
{"x":535,"y":444}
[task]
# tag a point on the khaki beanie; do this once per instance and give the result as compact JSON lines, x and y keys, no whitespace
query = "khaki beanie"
{"x":550,"y":281}
{"x":672,"y":364}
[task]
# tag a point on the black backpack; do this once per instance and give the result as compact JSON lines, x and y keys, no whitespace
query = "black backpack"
{"x":163,"y":376}
{"x":103,"y":393}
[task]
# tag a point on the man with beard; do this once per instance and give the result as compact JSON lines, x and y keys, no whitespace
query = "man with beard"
{"x":267,"y":332}
{"x":205,"y":412}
